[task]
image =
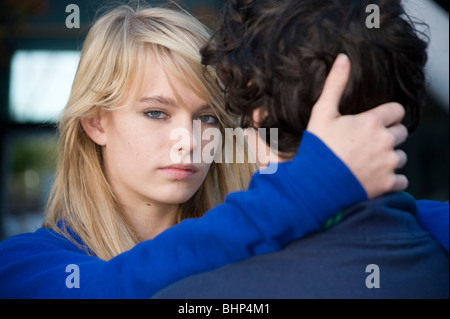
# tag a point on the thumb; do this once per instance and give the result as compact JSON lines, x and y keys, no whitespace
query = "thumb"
{"x":334,"y":87}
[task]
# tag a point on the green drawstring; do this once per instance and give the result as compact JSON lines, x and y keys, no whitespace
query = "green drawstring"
{"x":333,"y":220}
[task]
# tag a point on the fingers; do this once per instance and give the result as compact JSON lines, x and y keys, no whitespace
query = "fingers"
{"x":402,"y":158}
{"x":400,"y":184}
{"x":389,"y":113}
{"x":399,"y":132}
{"x":334,"y":86}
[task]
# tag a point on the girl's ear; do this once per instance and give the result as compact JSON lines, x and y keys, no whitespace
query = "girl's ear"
{"x":94,"y":129}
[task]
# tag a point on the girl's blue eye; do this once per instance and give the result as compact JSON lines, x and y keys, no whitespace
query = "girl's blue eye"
{"x":208,"y":119}
{"x":158,"y":115}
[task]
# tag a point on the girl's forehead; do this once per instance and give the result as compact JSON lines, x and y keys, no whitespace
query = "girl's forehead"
{"x":169,"y":92}
{"x":173,"y":78}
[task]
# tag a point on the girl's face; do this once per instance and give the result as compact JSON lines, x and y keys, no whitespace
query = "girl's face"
{"x":138,"y":144}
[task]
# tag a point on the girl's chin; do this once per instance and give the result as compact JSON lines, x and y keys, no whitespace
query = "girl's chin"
{"x":179,"y":198}
{"x":172,"y":193}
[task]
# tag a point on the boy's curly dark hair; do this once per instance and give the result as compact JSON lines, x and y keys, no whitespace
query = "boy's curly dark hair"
{"x":276,"y":54}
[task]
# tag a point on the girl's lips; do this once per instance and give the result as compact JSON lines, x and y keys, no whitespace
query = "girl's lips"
{"x":179,"y":171}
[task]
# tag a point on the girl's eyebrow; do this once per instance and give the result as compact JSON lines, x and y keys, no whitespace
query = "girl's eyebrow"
{"x":204,"y":108}
{"x":159,"y":99}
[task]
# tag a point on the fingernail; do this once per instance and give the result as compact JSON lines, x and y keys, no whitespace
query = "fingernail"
{"x":342,"y":61}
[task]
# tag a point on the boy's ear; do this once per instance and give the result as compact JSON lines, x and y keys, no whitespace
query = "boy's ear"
{"x":258,"y":116}
{"x":94,"y":129}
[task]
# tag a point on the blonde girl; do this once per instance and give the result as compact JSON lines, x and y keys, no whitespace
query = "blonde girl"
{"x":117,"y":68}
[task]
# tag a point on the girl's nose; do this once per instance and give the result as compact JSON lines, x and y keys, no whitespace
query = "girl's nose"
{"x":187,"y":138}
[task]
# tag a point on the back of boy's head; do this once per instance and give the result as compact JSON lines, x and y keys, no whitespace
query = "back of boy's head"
{"x":278,"y":53}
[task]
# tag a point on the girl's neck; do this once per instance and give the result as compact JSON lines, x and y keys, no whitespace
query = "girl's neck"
{"x":149,"y":220}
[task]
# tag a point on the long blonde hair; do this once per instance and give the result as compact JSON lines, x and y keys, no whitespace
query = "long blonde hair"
{"x":110,"y":68}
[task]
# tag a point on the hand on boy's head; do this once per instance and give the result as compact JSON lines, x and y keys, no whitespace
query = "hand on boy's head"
{"x":364,"y":142}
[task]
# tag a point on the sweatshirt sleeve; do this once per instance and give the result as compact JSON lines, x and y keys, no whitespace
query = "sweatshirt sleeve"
{"x":276,"y":209}
{"x":433,"y":216}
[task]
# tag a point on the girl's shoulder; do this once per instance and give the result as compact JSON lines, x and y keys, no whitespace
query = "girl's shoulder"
{"x":38,"y":241}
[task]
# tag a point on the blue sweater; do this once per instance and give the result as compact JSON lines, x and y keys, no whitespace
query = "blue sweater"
{"x":434,"y":217}
{"x":304,"y":193}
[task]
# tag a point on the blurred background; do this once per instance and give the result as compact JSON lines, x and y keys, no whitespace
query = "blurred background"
{"x":38,"y":60}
